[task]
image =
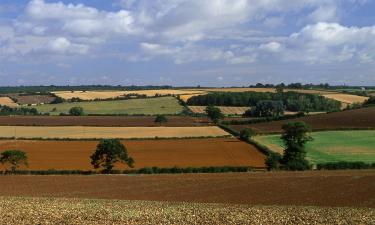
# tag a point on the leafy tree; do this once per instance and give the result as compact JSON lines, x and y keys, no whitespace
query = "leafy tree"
{"x":108,"y":152}
{"x":14,"y":157}
{"x":76,"y":111}
{"x":214,"y":113}
{"x":57,"y":100}
{"x":295,"y":136}
{"x":246,"y":134}
{"x":273,"y":161}
{"x":268,"y":108}
{"x":160,"y":119}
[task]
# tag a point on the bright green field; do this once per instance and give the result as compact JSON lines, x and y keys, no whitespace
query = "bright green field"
{"x":333,"y":146}
{"x":149,"y":106}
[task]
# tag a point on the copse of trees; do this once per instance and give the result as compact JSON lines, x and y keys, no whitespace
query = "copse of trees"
{"x":15,"y":158}
{"x":6,"y":110}
{"x":76,"y":111}
{"x":108,"y":152}
{"x":266,"y":108}
{"x":292,"y":101}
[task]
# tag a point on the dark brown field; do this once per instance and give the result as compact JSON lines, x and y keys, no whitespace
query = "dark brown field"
{"x":351,"y":119}
{"x":320,"y":188}
{"x":75,"y":155}
{"x":32,"y":99}
{"x":119,"y":121}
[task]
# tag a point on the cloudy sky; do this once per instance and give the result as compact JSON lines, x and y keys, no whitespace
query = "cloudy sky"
{"x":187,"y":42}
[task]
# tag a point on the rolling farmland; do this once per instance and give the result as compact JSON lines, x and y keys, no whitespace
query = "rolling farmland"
{"x":75,"y":155}
{"x":150,"y":106}
{"x":332,"y":146}
{"x":85,"y":132}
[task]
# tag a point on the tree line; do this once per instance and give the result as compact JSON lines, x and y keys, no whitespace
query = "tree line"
{"x":292,"y":101}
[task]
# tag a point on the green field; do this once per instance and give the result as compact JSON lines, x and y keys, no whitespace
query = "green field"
{"x":333,"y":146}
{"x":149,"y":106}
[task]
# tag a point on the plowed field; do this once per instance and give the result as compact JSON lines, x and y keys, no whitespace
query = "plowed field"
{"x":119,"y":121}
{"x":319,"y":188}
{"x":72,"y":155}
{"x":351,"y":119}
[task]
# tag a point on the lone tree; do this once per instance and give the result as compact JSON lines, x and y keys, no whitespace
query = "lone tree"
{"x":295,"y":136}
{"x":15,"y":158}
{"x":108,"y":152}
{"x":76,"y":111}
{"x":214,"y":113}
{"x":160,"y":119}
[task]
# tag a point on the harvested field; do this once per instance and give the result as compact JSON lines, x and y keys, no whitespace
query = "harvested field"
{"x":7,"y":102}
{"x":105,"y":121}
{"x":32,"y":99}
{"x":150,"y":106}
{"x":73,"y":155}
{"x":91,"y":95}
{"x":311,"y":188}
{"x":332,"y":146}
{"x":351,"y":119}
{"x":81,"y":132}
{"x":346,"y":99}
{"x":224,"y":109}
{"x":78,"y":211}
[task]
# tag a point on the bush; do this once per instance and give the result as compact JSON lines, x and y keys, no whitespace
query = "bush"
{"x":273,"y":161}
{"x":246,"y":134}
{"x":345,"y":165}
{"x":76,"y":111}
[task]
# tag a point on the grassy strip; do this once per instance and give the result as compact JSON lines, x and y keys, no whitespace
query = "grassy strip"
{"x":263,"y":120}
{"x":146,"y":170}
{"x":345,"y":165}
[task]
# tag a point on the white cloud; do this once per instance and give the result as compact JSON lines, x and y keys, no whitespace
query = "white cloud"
{"x":62,"y":45}
{"x":271,"y":46}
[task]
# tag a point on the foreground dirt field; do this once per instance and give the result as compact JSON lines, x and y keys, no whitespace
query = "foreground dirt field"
{"x":351,"y":119}
{"x":73,"y":155}
{"x":79,"y":132}
{"x":320,"y":188}
{"x":74,"y":211}
{"x":105,"y":121}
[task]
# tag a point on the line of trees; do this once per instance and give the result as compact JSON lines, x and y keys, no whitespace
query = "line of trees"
{"x":292,"y":101}
{"x":6,"y":110}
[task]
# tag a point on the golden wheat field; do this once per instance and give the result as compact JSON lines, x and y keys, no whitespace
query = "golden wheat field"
{"x":82,"y":132}
{"x":8,"y":102}
{"x":346,"y":98}
{"x":224,"y":109}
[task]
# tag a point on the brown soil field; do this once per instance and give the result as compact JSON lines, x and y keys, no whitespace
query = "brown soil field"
{"x":74,"y":155}
{"x":91,"y":211}
{"x":224,"y":109}
{"x":32,"y":99}
{"x":107,"y":121}
{"x":311,"y":188}
{"x":86,"y":132}
{"x":351,"y":119}
{"x":91,"y":95}
{"x":8,"y":102}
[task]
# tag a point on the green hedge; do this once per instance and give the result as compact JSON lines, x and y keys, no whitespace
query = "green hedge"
{"x":345,"y":165}
{"x":146,"y":170}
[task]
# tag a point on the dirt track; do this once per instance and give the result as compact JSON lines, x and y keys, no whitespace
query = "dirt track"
{"x":119,"y":121}
{"x":73,"y":155}
{"x":351,"y":119}
{"x":321,"y":188}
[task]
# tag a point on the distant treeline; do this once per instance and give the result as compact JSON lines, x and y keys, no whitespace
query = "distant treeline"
{"x":293,"y":101}
{"x":52,"y":88}
{"x":5,"y":111}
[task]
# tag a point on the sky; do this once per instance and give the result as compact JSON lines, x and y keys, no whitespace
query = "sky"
{"x":186,"y":42}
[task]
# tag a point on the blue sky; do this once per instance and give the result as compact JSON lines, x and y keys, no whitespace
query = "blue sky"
{"x":187,"y":42}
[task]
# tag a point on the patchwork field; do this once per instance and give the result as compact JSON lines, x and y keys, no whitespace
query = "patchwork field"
{"x":224,"y":109}
{"x":81,"y":132}
{"x":311,"y":188}
{"x":351,"y":119}
{"x":91,"y":95}
{"x":105,"y":121}
{"x":150,"y":106}
{"x":333,"y":146}
{"x":81,"y":211}
{"x":73,"y":155}
{"x":7,"y":102}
